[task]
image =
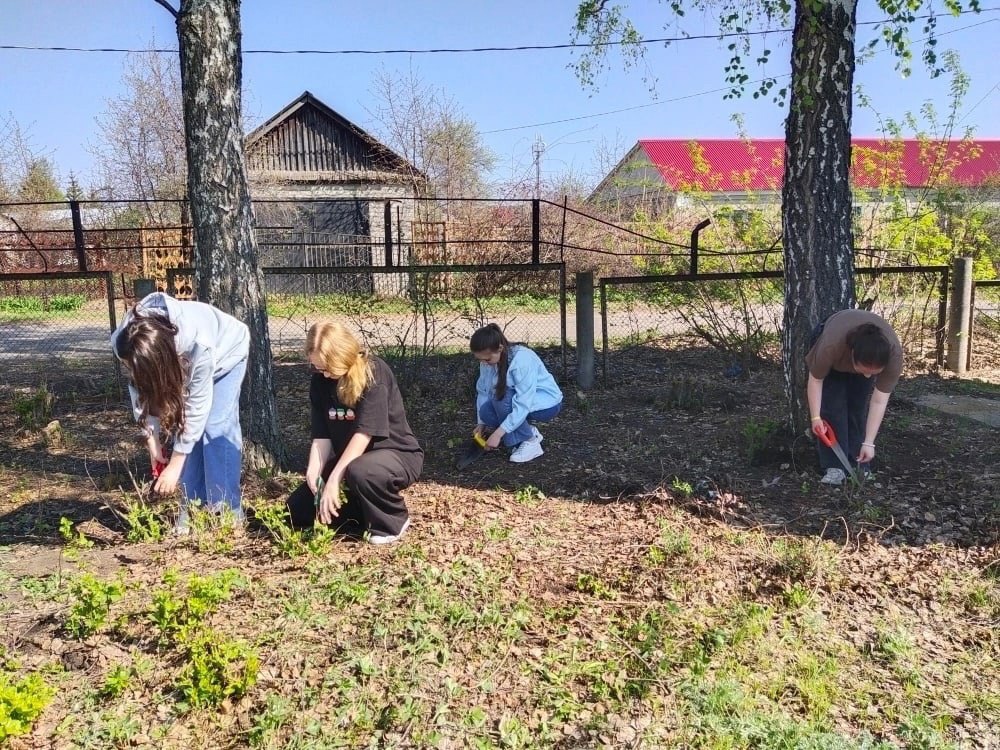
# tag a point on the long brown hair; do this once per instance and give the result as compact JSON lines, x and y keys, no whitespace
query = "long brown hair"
{"x":146,"y":347}
{"x":343,"y":358}
{"x":490,"y":338}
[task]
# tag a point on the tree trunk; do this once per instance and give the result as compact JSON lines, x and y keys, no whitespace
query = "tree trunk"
{"x":226,"y":258}
{"x":816,"y":195}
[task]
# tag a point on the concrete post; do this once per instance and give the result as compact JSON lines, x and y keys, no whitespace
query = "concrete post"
{"x":585,"y":329}
{"x":960,"y":316}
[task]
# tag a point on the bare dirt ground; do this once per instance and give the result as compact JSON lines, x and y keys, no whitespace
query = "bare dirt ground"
{"x":671,"y":445}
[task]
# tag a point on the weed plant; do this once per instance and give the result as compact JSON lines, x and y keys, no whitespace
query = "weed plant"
{"x":21,"y":703}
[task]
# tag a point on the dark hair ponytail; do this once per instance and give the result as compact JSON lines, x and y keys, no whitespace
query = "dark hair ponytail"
{"x":490,"y":338}
{"x":869,"y":346}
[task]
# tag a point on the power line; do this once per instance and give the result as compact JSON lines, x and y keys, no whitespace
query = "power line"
{"x":460,"y":50}
{"x":994,"y":87}
{"x":710,"y":91}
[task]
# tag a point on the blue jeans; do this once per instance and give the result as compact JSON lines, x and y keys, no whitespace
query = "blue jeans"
{"x":494,"y":411}
{"x":845,"y":407}
{"x":211,"y":473}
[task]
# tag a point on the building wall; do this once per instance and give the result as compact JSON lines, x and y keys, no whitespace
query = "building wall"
{"x":336,"y":212}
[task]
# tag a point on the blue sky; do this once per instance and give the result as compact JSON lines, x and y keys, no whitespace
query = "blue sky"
{"x":55,"y":96}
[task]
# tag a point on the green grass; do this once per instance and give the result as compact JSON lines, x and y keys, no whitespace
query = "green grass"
{"x":516,"y":623}
{"x":291,"y":306}
{"x":27,"y":307}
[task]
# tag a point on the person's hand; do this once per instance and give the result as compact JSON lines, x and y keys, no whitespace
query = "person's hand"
{"x":329,"y":503}
{"x":166,"y":483}
{"x":493,"y":441}
{"x":820,"y":428}
{"x":480,"y":430}
{"x":867,"y":453}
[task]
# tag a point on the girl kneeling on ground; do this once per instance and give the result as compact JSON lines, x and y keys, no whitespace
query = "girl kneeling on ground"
{"x":513,"y":390}
{"x":360,"y":436}
{"x":185,"y":363}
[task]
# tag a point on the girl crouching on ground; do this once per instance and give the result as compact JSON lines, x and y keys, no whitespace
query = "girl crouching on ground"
{"x":360,"y":437}
{"x":513,"y":390}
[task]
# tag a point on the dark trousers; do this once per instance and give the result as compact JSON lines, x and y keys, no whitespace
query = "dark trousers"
{"x":845,"y":407}
{"x":372,"y":501}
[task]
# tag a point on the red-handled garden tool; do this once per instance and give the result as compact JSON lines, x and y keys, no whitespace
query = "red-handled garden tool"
{"x":158,"y":468}
{"x":829,"y":439}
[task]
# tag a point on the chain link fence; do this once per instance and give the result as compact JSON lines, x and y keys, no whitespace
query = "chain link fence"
{"x":55,"y":321}
{"x":740,"y":314}
{"x":428,"y":311}
{"x":984,"y":343}
{"x":414,"y":278}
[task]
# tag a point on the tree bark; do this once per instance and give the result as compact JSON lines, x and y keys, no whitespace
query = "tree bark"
{"x":816,"y":195}
{"x":226,"y":258}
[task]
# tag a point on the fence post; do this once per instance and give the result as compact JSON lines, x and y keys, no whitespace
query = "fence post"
{"x":536,"y":223}
{"x":694,"y":246}
{"x":81,"y":251}
{"x":585,"y":329}
{"x":388,"y":234}
{"x":142,"y":287}
{"x":942,"y":322}
{"x":960,"y":314}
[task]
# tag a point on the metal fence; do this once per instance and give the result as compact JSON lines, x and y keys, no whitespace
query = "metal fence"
{"x":984,"y":334}
{"x":434,"y":308}
{"x":418,"y":275}
{"x":740,"y":313}
{"x":58,"y":320}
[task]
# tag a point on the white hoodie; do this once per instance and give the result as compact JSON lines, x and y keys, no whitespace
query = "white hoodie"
{"x":211,"y":341}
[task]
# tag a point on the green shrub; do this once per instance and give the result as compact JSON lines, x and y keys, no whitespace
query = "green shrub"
{"x":144,"y":523}
{"x":178,"y":613}
{"x":216,"y":670}
{"x":291,"y":542}
{"x":21,"y":703}
{"x":92,"y":600}
{"x":75,"y":540}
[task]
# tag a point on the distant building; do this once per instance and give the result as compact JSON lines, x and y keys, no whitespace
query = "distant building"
{"x":324,"y":189}
{"x":662,"y":174}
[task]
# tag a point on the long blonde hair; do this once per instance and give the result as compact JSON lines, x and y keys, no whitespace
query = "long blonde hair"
{"x":343,"y":358}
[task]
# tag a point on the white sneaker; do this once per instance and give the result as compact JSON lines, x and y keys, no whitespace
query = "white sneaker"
{"x":389,"y":538}
{"x":536,"y":435}
{"x":527,"y":450}
{"x":834,"y":476}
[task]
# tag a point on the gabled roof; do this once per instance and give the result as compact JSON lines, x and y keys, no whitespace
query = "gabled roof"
{"x":736,"y":165}
{"x":320,"y":140}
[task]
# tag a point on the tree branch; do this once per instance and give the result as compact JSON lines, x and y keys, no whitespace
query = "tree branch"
{"x":168,"y":6}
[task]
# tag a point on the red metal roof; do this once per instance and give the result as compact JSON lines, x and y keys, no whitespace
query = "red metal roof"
{"x":736,"y":165}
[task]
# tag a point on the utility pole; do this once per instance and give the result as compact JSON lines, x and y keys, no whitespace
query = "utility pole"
{"x":538,"y":149}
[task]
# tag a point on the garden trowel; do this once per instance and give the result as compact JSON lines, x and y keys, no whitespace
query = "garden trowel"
{"x":471,"y":451}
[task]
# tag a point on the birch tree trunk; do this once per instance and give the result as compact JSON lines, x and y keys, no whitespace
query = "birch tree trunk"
{"x":816,"y":195}
{"x":226,"y":257}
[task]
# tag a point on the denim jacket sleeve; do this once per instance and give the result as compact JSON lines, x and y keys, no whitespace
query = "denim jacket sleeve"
{"x":484,"y":387}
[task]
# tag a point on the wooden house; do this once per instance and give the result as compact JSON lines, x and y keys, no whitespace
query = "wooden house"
{"x":325,"y":191}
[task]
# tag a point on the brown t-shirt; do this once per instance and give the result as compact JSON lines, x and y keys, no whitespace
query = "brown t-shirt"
{"x":831,"y":352}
